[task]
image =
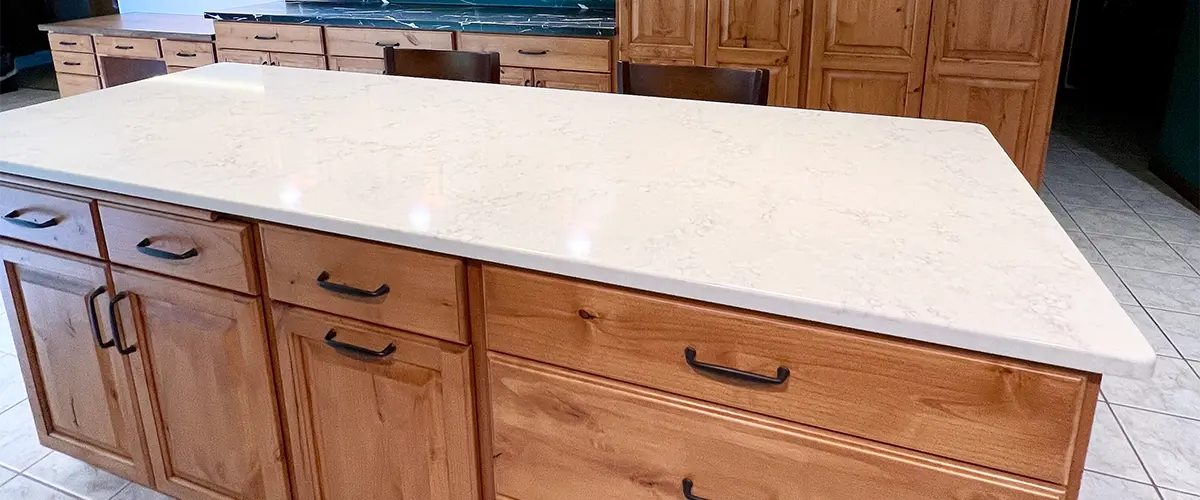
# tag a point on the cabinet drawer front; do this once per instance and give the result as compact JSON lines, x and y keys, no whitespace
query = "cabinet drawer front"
{"x":273,"y":37}
{"x":362,"y":42}
{"x":69,"y":84}
{"x":78,"y":63}
{"x":560,"y":435}
{"x":522,"y":77}
{"x":244,"y":56}
{"x":50,"y":219}
{"x":298,"y":61}
{"x":216,"y":253}
{"x":356,"y":65}
{"x":71,"y":43}
{"x":572,"y":80}
{"x":404,"y":289}
{"x":978,"y":409}
{"x":188,"y":54}
{"x":549,"y":52}
{"x":142,"y":48}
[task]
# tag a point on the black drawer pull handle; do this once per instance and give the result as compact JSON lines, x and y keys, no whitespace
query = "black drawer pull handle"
{"x":344,"y":347}
{"x":14,"y":218}
{"x":323,"y":282}
{"x":71,"y":63}
{"x":112,"y":318}
{"x":781,"y":374}
{"x":68,"y":44}
{"x":260,"y":37}
{"x":532,"y":52}
{"x":144,"y":247}
{"x":186,"y":54}
{"x":526,"y":84}
{"x":386,"y":44}
{"x":124,"y":47}
{"x":687,"y":490}
{"x":94,"y":319}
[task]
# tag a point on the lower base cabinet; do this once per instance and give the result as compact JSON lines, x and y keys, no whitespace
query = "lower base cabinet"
{"x":375,"y":413}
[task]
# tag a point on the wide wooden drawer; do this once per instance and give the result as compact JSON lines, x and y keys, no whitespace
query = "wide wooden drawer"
{"x":272,"y":37}
{"x":71,"y":43}
{"x":356,"y":64}
{"x":51,"y":219}
{"x":365,"y":42}
{"x":69,"y":84}
{"x":298,"y":60}
{"x":216,"y":253}
{"x":188,"y":54}
{"x":142,"y":48}
{"x":79,"y":63}
{"x":560,"y":435}
{"x":244,"y":56}
{"x":980,"y":409}
{"x":549,"y":52}
{"x":405,"y":289}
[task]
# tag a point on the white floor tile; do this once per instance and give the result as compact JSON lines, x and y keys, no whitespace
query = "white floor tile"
{"x":1146,"y":255}
{"x":1085,"y":247}
{"x":6,"y":340}
{"x":1113,"y":282}
{"x":138,"y":492}
{"x":1095,"y":221}
{"x":5,"y":475}
{"x":1191,"y":254}
{"x":1175,"y":495}
{"x":76,"y":477}
{"x":23,"y":488}
{"x":1182,"y":329}
{"x":1169,"y":446}
{"x":1118,"y":178}
{"x":1057,"y":176}
{"x":12,"y":384}
{"x":1101,"y":487}
{"x":1157,"y":203}
{"x":1109,"y":452}
{"x":1162,"y":291}
{"x":1089,"y":196}
{"x":1184,"y":231}
{"x":1060,"y":215}
{"x":1174,"y":388}
{"x":1155,"y":336}
{"x":19,"y":447}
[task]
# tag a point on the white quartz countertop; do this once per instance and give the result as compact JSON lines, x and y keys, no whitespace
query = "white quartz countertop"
{"x":917,"y":229}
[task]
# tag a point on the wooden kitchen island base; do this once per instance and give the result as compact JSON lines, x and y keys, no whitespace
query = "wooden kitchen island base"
{"x":212,"y":356}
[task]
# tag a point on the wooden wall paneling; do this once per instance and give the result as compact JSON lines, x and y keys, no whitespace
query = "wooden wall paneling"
{"x":753,"y":34}
{"x":867,"y":56}
{"x":662,"y":31}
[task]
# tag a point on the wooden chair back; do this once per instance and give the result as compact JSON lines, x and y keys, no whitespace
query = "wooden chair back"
{"x":693,"y":82}
{"x":458,"y":65}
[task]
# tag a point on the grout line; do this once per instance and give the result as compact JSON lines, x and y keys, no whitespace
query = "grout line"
{"x":1153,"y":410}
{"x":1114,"y":476}
{"x":1176,"y":490}
{"x":1132,"y":446}
{"x":51,"y":486}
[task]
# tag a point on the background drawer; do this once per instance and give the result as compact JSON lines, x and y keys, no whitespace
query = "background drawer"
{"x":73,"y":230}
{"x":560,"y":435}
{"x":244,"y":56}
{"x":425,"y":292}
{"x":356,"y":64}
{"x":298,"y":60}
{"x":188,"y":54}
{"x":143,"y":48}
{"x":271,"y":37}
{"x":978,"y":409}
{"x":363,"y":42}
{"x":223,"y":255}
{"x":549,"y":52}
{"x":79,"y":63}
{"x":69,"y":85}
{"x":71,"y":43}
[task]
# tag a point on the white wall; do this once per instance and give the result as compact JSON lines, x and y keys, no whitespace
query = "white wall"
{"x":180,"y":6}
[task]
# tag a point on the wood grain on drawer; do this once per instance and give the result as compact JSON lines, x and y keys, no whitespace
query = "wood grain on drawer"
{"x":216,"y":253}
{"x":78,"y":63}
{"x":71,"y":43}
{"x":188,"y":54}
{"x":980,"y":409}
{"x":243,"y":56}
{"x":356,"y":64}
{"x":365,"y":42}
{"x":561,"y":435}
{"x":309,"y":61}
{"x":272,"y":37}
{"x":510,"y":75}
{"x":50,"y":219}
{"x":549,"y":52}
{"x":69,"y":85}
{"x":405,"y":289}
{"x":142,"y":48}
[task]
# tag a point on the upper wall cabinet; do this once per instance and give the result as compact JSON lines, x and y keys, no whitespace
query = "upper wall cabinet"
{"x":868,"y":56}
{"x":757,"y":34}
{"x":662,"y":31}
{"x":996,"y":62}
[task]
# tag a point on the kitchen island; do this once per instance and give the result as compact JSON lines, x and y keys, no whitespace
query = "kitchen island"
{"x":330,"y":285}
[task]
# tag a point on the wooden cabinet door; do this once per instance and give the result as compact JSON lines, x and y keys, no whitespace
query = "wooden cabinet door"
{"x":375,"y":413}
{"x":81,"y":394}
{"x":996,"y":62}
{"x":756,"y":34}
{"x":203,"y":375}
{"x":572,"y":80}
{"x":662,"y":31}
{"x":868,"y":56}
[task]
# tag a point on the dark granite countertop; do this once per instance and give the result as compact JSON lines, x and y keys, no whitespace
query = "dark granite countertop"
{"x":471,"y":18}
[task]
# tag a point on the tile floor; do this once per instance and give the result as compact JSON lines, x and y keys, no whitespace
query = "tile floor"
{"x":1142,"y":240}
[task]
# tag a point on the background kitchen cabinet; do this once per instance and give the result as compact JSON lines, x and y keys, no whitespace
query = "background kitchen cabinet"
{"x":662,"y":31}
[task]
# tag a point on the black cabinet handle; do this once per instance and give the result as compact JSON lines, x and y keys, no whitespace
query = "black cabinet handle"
{"x":68,"y":44}
{"x":351,"y":348}
{"x":260,"y":37}
{"x":95,"y":320}
{"x":386,"y":44}
{"x":781,"y":374}
{"x":186,"y":54}
{"x":144,"y":247}
{"x":526,"y":84}
{"x":116,"y":329}
{"x":687,"y":490}
{"x":71,"y":63}
{"x":124,"y":47}
{"x":323,"y":282}
{"x":13,"y":217}
{"x":532,"y":52}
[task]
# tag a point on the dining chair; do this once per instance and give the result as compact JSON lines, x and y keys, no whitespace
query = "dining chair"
{"x":693,"y":82}
{"x":483,"y":67}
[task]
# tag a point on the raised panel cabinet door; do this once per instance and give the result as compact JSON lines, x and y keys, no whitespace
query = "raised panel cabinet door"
{"x":375,"y":413}
{"x":80,"y":388}
{"x":759,"y":34}
{"x":662,"y":30}
{"x":868,"y":56}
{"x":1008,"y":47}
{"x":572,"y":80}
{"x":203,"y":375}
